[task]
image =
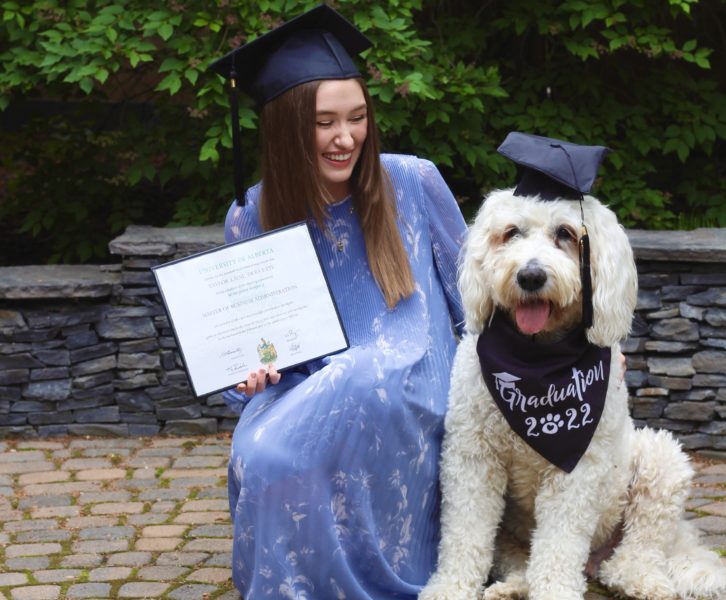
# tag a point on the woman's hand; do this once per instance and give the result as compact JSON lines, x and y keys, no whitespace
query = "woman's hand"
{"x":622,"y":367}
{"x":257,"y":380}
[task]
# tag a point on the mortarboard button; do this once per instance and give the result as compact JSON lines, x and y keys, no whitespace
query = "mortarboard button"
{"x":551,"y":168}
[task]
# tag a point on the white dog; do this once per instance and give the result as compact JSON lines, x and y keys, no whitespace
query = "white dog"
{"x":521,"y":262}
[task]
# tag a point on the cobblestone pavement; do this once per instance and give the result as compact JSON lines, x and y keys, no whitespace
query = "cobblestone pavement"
{"x":148,"y":518}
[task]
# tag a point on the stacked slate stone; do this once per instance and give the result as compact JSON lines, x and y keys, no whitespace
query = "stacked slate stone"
{"x":58,"y":360}
{"x":175,"y":405}
{"x":676,"y":354}
{"x":89,"y":350}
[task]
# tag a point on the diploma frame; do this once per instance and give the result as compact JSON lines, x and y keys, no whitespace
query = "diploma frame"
{"x":240,"y":306}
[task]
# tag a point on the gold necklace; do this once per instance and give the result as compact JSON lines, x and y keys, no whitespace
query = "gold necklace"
{"x":334,"y":239}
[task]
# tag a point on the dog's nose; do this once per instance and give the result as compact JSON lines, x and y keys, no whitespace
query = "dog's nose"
{"x":531,"y":277}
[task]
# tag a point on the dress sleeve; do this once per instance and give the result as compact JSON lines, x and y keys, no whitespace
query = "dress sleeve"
{"x":242,"y":222}
{"x":448,"y":230}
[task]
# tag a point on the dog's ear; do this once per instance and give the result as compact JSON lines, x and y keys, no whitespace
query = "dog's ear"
{"x":614,"y":276}
{"x":474,"y":283}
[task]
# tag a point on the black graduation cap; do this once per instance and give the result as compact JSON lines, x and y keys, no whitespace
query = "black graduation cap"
{"x":554,"y":169}
{"x":551,"y":168}
{"x":315,"y":45}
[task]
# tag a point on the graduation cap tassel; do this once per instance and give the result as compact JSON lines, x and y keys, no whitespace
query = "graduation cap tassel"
{"x":236,"y":144}
{"x":586,"y":278}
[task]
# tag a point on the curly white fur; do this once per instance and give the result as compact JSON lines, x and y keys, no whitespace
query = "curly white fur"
{"x":499,"y":493}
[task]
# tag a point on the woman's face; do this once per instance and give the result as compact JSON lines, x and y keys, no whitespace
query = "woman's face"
{"x":341,"y":126}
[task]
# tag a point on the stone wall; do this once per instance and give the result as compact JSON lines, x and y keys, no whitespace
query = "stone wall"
{"x":676,"y":353}
{"x":87,"y":350}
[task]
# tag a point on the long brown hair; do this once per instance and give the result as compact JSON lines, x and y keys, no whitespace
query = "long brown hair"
{"x":292,"y":189}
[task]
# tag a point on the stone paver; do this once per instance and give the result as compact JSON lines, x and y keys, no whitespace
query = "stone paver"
{"x":158,"y":544}
{"x":109,"y":573}
{"x":36,"y":592}
{"x":163,"y":531}
{"x":13,"y":579}
{"x":162,"y":573}
{"x":142,"y":589}
{"x":209,"y":575}
{"x":100,"y":474}
{"x":130,"y":559}
{"x":57,"y":575}
{"x":44,"y":477}
{"x":148,"y":518}
{"x":84,"y":561}
{"x":14,"y":550}
{"x":95,"y":518}
{"x":191,"y":592}
{"x":89,"y":590}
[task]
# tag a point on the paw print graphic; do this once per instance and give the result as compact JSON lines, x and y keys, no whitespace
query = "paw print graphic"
{"x":551,"y":423}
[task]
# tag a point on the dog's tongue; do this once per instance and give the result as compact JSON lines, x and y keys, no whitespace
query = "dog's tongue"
{"x":532,"y":316}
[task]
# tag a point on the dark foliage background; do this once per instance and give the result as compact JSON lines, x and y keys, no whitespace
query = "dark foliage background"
{"x":109,"y":116}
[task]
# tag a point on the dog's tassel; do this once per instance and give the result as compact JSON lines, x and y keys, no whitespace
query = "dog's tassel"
{"x":586,"y":278}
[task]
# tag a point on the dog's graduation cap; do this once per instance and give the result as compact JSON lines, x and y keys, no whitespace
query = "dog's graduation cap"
{"x":553,"y":169}
{"x":315,"y":45}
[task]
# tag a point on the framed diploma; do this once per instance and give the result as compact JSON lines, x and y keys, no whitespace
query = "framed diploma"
{"x":260,"y":301}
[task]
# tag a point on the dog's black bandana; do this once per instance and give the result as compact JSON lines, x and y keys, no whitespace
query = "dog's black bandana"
{"x":552,"y":395}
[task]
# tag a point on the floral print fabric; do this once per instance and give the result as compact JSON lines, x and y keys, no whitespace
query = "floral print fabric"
{"x":333,"y":473}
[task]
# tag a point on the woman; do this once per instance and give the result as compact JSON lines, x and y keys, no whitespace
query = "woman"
{"x":333,"y":475}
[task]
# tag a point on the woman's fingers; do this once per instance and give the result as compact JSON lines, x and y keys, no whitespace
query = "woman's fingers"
{"x":257,"y":380}
{"x":273,"y":375}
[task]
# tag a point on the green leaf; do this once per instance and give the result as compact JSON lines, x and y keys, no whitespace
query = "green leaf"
{"x":133,"y":174}
{"x":171,"y":63}
{"x":171,"y":82}
{"x":165,"y":31}
{"x":616,"y":161}
{"x":86,"y":84}
{"x":159,"y":15}
{"x":101,"y":75}
{"x":103,"y":19}
{"x":247,"y":118}
{"x":683,"y":152}
{"x":703,"y":62}
{"x":209,"y":151}
{"x":673,"y":131}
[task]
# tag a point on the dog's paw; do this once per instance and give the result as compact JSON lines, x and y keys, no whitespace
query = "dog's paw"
{"x":505,"y":590}
{"x":446,"y":591}
{"x":647,"y":590}
{"x":638,"y":579}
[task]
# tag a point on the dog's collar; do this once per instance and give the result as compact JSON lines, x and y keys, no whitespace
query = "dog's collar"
{"x":552,"y":395}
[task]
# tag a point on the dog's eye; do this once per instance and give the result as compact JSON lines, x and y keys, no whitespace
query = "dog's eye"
{"x":565,"y":234}
{"x":509,"y":233}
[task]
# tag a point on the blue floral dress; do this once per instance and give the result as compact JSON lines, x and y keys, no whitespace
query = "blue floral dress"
{"x":333,"y":473}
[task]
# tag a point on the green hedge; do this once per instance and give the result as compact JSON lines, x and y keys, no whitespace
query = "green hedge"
{"x":110,"y":117}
